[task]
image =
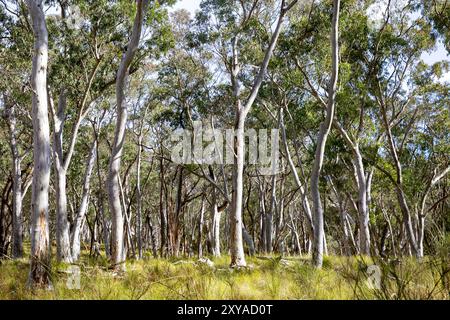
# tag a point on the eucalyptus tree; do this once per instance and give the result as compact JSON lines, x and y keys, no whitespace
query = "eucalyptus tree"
{"x":88,"y":35}
{"x":227,"y":26}
{"x":113,"y":181}
{"x":17,"y":157}
{"x":396,"y":53}
{"x":40,"y":237}
{"x":16,"y":94}
{"x":83,"y":207}
{"x":324,"y":131}
{"x":81,"y":71}
{"x":425,"y":143}
{"x":437,"y":11}
{"x":114,"y":166}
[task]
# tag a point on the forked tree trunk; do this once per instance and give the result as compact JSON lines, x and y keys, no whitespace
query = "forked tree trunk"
{"x":75,"y":239}
{"x":241,"y":112}
{"x":343,"y":220}
{"x":61,"y":165}
{"x":363,"y":209}
{"x":114,"y":197}
{"x":305,"y":202}
{"x":398,"y":181}
{"x":62,"y":162}
{"x":40,"y":241}
{"x":421,"y":215}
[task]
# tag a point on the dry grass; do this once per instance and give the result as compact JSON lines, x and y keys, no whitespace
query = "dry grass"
{"x":265,"y":278}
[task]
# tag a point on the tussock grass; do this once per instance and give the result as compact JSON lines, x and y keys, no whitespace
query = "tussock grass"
{"x":266,"y":278}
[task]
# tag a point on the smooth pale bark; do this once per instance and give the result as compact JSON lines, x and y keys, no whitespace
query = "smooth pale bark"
{"x":17,"y":218}
{"x":62,"y":224}
{"x":40,"y":240}
{"x":262,"y":215}
{"x":215,"y":214}
{"x":398,"y":181}
{"x":363,"y":182}
{"x":325,"y":127}
{"x":62,"y":161}
{"x":269,"y":216}
{"x":241,"y":112}
{"x":273,"y":207}
{"x":364,"y":233}
{"x":174,"y":218}
{"x":236,"y":244}
{"x":139,"y":198}
{"x":162,"y":210}
{"x":100,"y":196}
{"x":200,"y":229}
{"x":140,"y":137}
{"x":296,"y":237}
{"x":343,"y":219}
{"x":126,"y":203}
{"x":280,"y":219}
{"x":75,"y":238}
{"x":421,"y":215}
{"x":119,"y":139}
{"x":305,"y":202}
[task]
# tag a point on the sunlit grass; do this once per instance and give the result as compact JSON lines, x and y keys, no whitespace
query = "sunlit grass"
{"x":265,"y":278}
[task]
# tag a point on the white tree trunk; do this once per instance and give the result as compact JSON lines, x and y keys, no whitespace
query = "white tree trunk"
{"x":236,"y":245}
{"x":40,"y":240}
{"x":305,"y":202}
{"x":62,"y":223}
{"x":114,"y":196}
{"x":216,"y":230}
{"x":421,"y":215}
{"x":324,"y":131}
{"x":269,"y":216}
{"x":139,"y":198}
{"x":215,"y":214}
{"x":364,"y":233}
{"x":398,"y":181}
{"x":17,"y":219}
{"x":200,"y":229}
{"x":75,"y":239}
{"x":241,"y":112}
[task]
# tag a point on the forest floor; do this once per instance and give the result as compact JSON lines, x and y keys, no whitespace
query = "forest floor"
{"x":265,"y":278}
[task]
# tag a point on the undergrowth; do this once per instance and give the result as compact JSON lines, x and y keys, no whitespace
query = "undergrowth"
{"x":267,"y":277}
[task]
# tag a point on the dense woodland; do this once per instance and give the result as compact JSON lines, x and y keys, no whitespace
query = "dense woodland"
{"x":91,"y":92}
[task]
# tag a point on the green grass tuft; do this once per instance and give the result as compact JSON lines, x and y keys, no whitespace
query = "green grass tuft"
{"x":270,"y":277}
